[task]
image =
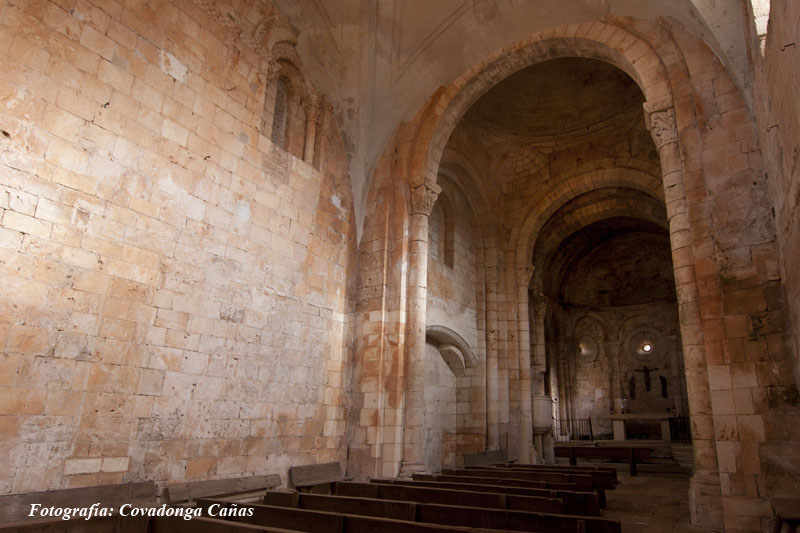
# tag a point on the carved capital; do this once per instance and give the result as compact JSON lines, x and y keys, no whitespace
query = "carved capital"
{"x":273,"y":69}
{"x":423,"y":197}
{"x":662,"y":126}
{"x":524,"y":274}
{"x":312,"y":103}
{"x":540,"y":304}
{"x":492,"y":278}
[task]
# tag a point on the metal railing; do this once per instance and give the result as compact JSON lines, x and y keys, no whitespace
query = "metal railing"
{"x":573,"y":430}
{"x":680,"y":429}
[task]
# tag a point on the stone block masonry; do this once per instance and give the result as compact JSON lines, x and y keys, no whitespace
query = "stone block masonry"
{"x":173,"y":287}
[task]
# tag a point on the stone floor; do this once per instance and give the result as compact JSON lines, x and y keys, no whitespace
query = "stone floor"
{"x":652,"y":502}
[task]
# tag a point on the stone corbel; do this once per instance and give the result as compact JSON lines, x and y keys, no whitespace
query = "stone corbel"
{"x":423,"y":197}
{"x":453,"y":348}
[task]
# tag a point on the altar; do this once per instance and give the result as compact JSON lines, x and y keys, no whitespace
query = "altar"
{"x":618,"y":423}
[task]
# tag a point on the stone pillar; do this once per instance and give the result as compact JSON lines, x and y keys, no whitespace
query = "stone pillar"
{"x":539,"y":359}
{"x":526,"y":452}
{"x":492,"y":362}
{"x":538,"y":365}
{"x":704,"y":487}
{"x":312,"y":105}
{"x":422,"y":199}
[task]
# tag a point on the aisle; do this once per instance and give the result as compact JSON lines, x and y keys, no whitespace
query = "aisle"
{"x":651,"y":503}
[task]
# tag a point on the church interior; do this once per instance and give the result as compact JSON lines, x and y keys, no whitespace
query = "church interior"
{"x":243,"y":239}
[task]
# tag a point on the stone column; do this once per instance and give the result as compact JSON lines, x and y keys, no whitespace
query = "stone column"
{"x":704,"y":491}
{"x":538,"y":365}
{"x":312,"y":105}
{"x":526,"y":451}
{"x":422,"y":199}
{"x":492,"y":362}
{"x":538,"y":361}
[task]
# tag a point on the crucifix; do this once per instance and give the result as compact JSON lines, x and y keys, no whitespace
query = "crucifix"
{"x":646,"y":371}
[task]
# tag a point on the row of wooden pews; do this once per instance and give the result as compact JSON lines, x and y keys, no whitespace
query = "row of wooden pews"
{"x":488,"y":497}
{"x":501,"y":497}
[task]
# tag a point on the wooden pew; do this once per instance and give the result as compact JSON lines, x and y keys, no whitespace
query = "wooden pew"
{"x":429,"y":514}
{"x":601,"y":480}
{"x":584,"y":503}
{"x":489,"y":500}
{"x":207,"y":525}
{"x":315,"y":478}
{"x":487,"y":458}
{"x":581,"y":481}
{"x":396,"y":510}
{"x":630,"y":453}
{"x":565,"y":468}
{"x":110,"y":524}
{"x":17,"y":507}
{"x":325,"y":522}
{"x":235,"y":489}
{"x":496,"y":481}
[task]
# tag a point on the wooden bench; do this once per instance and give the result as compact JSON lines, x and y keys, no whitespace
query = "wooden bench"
{"x":428,"y":516}
{"x":605,"y":479}
{"x":524,"y":466}
{"x":630,"y":453}
{"x":585,"y":503}
{"x":326,"y":522}
{"x":315,"y":478}
{"x":236,"y":489}
{"x":206,"y":525}
{"x":112,"y":524}
{"x":487,"y":458}
{"x":17,"y":507}
{"x":581,"y":481}
{"x":425,"y":495}
{"x":787,"y":511}
{"x":496,"y":481}
{"x":600,"y":481}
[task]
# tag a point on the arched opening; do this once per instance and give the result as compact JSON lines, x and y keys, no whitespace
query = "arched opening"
{"x":564,"y":142}
{"x":280,"y":114}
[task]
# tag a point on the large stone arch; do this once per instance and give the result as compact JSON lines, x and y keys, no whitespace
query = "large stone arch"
{"x":691,"y":129}
{"x":525,"y":230}
{"x":635,"y":56}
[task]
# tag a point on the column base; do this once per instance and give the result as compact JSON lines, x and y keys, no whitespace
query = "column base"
{"x":408,"y":468}
{"x":705,"y":501}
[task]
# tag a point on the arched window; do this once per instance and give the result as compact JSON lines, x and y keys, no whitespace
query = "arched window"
{"x":284,"y":117}
{"x":280,"y":115}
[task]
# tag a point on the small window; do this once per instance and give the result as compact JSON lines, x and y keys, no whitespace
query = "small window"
{"x":280,"y":116}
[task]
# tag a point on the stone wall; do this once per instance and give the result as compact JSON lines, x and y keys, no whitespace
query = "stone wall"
{"x":440,"y":413}
{"x":776,"y":70}
{"x":451,"y":273}
{"x":174,"y":287}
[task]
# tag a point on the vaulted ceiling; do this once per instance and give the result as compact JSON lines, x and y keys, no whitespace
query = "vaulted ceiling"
{"x":379,"y":61}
